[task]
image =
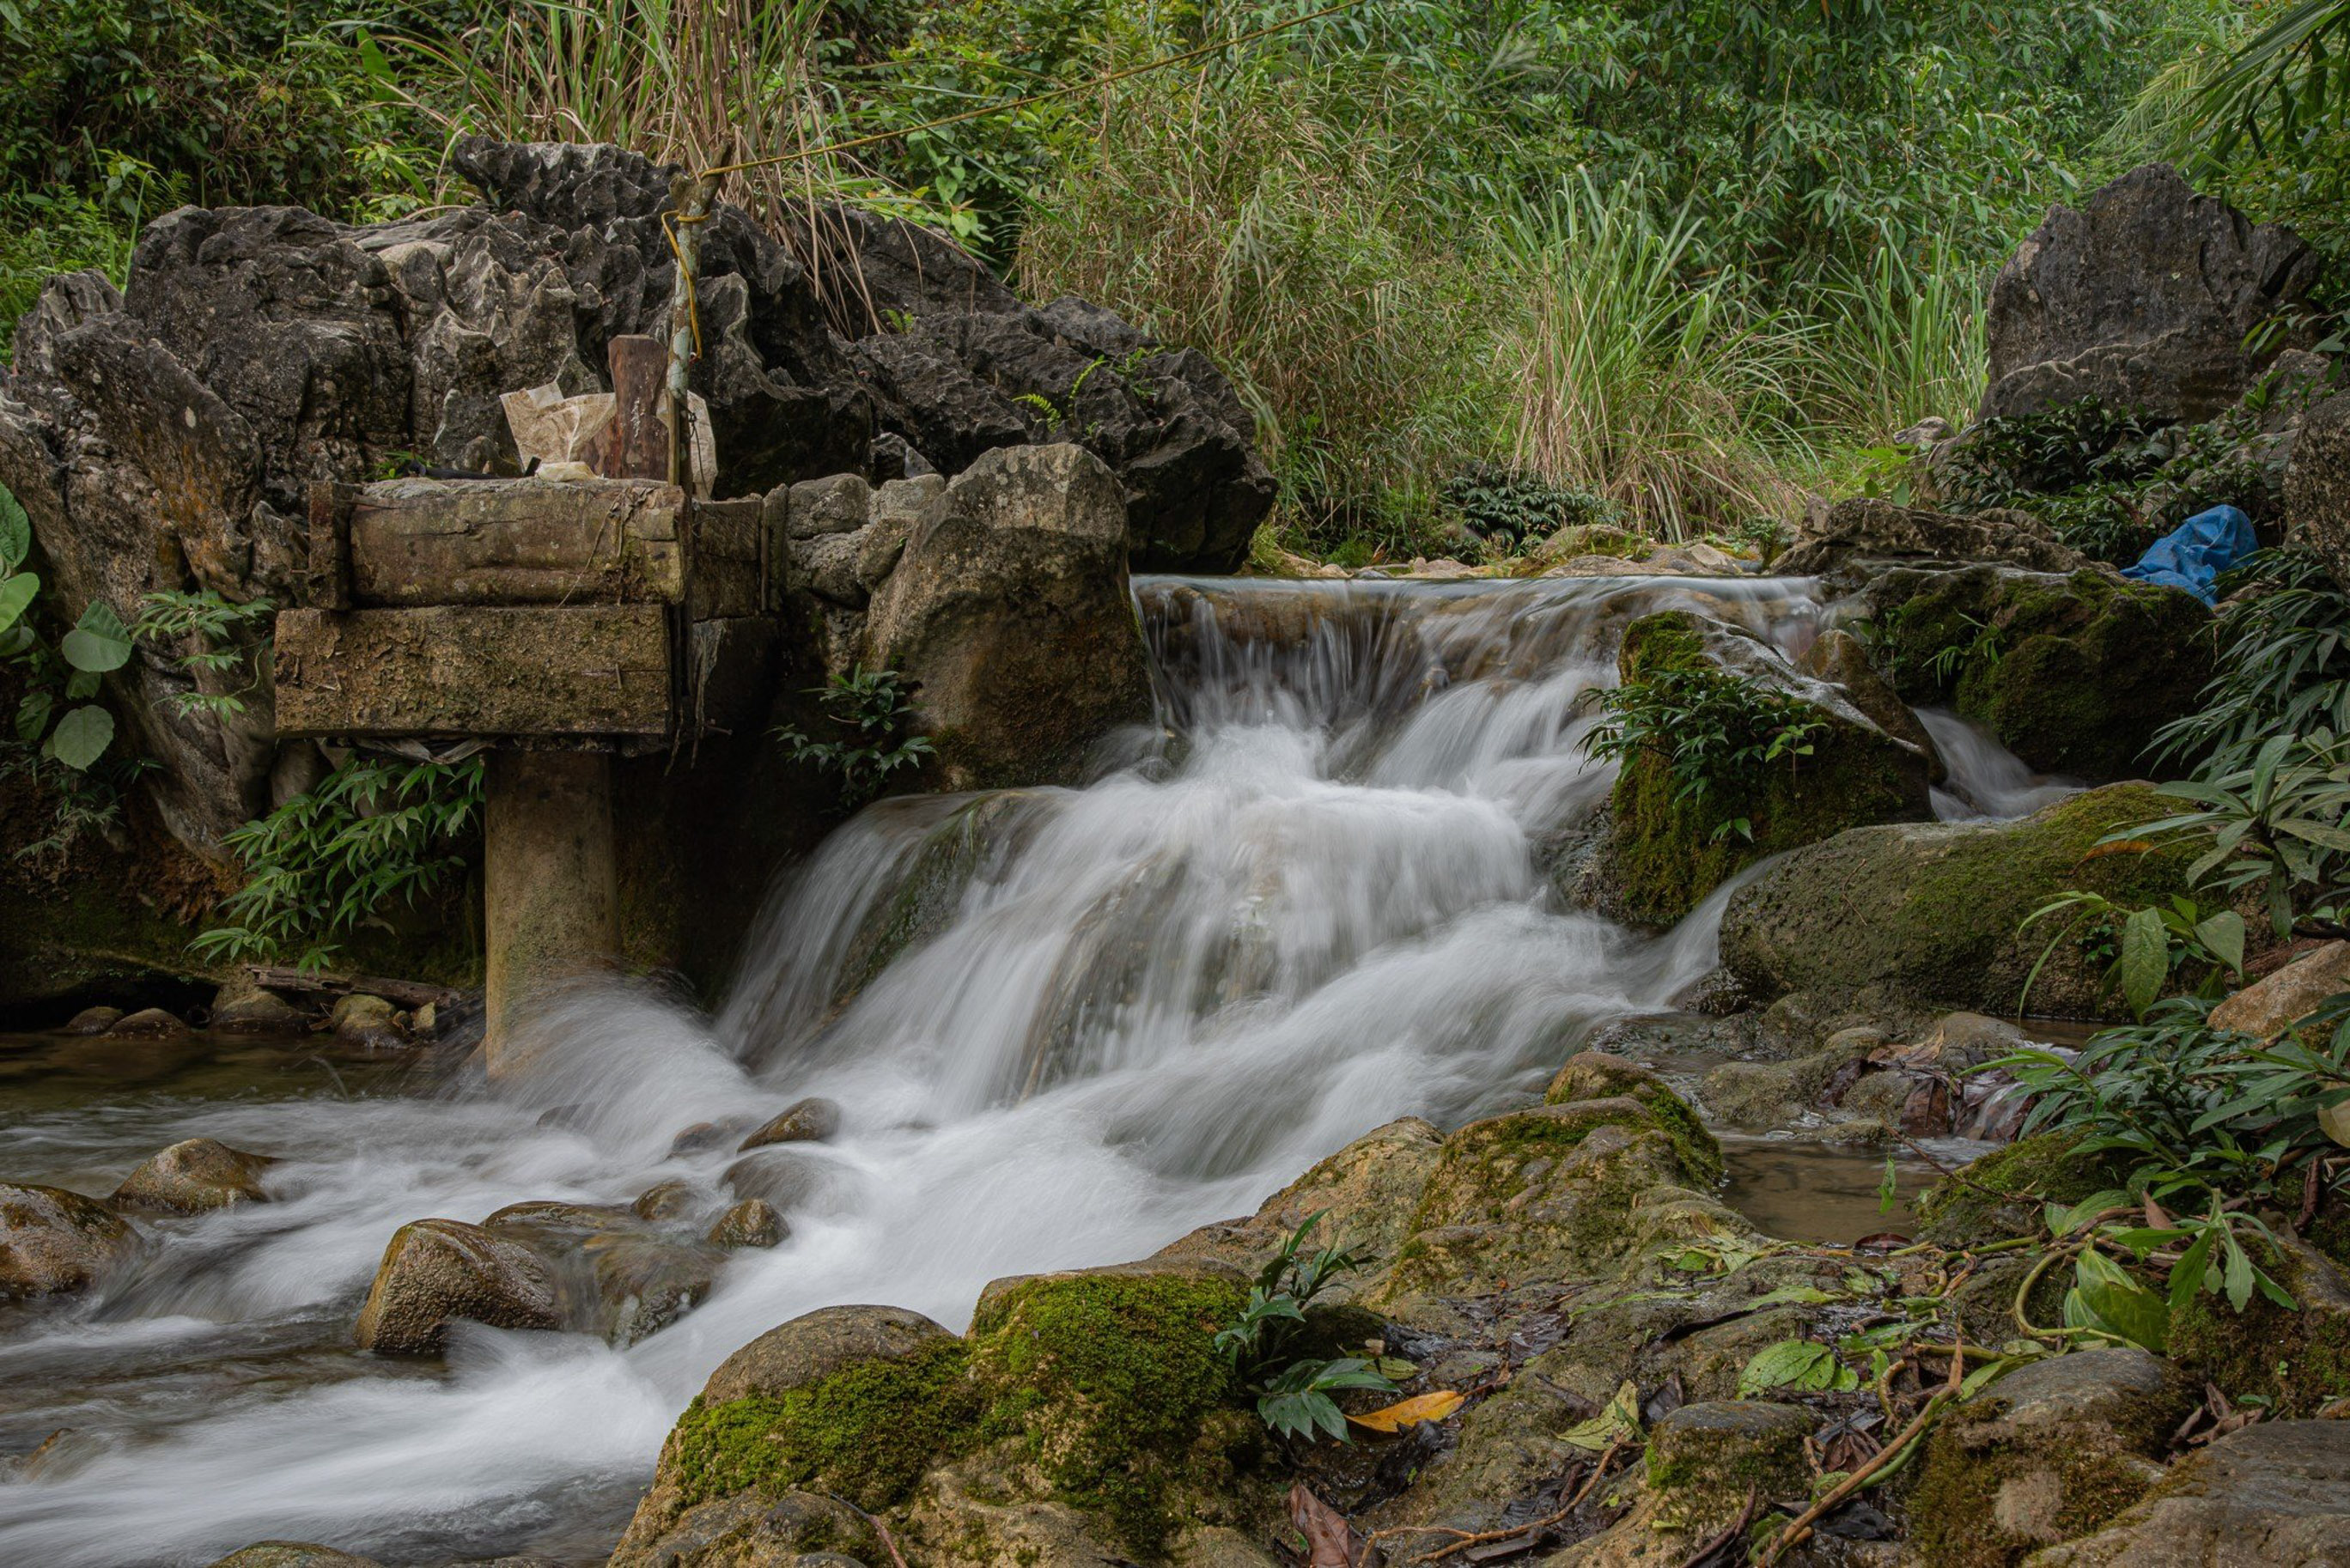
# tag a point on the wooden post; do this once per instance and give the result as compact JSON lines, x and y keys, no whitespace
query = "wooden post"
{"x":551,"y":895}
{"x":676,"y":401}
{"x":636,"y":444}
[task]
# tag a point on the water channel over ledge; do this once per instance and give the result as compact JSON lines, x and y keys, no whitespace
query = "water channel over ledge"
{"x":1308,"y":902}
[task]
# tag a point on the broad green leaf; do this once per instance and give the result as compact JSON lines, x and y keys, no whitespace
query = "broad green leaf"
{"x":1618,"y":1423}
{"x":15,"y":532}
{"x":33,"y":716}
{"x":2106,"y":1296}
{"x":16,"y":592}
{"x":2223,"y":934}
{"x":2145,"y":962}
{"x":1797,"y":1363}
{"x":82,"y":736}
{"x":81,"y":686}
{"x":2065,"y":1221}
{"x":99,"y":641}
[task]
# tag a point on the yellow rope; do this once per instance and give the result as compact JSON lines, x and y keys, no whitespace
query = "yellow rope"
{"x":1036,"y":98}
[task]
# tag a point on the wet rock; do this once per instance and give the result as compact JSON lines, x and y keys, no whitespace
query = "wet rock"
{"x":703,"y":1136}
{"x":805,"y":1121}
{"x":2277,"y":1492}
{"x":2270,"y":1005}
{"x":194,"y":1177}
{"x":1664,"y":850}
{"x":437,"y":1271}
{"x":1364,"y":1193}
{"x":2144,"y":297}
{"x":293,"y":1554}
{"x":53,"y":1243}
{"x":93,"y":1021}
{"x":2291,"y":1358}
{"x":1867,"y":530}
{"x":243,"y":1007}
{"x":1703,"y":1457}
{"x":797,"y":1530}
{"x":613,"y":1275}
{"x":815,"y":1345}
{"x":1931,"y":912}
{"x":1596,"y":1075}
{"x":1010,"y":616}
{"x":367,"y":1022}
{"x":1840,"y":659}
{"x":2052,"y":1449}
{"x":749,"y":1223}
{"x":666,"y":1200}
{"x":781,"y":1177}
{"x":2074,"y":674}
{"x":150,"y":1022}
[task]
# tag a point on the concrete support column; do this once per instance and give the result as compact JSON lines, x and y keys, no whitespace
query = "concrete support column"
{"x":551,"y":895}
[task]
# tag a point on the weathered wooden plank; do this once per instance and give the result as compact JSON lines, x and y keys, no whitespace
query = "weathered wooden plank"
{"x":570,"y":673}
{"x":416,"y":542}
{"x":634,"y":445}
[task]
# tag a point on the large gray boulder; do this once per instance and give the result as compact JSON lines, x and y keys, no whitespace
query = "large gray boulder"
{"x":2140,"y":298}
{"x":1009,"y":612}
{"x":2317,"y":485}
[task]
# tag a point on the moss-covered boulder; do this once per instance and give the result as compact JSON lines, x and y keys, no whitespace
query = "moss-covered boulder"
{"x":2297,"y":1359}
{"x":1932,"y":910}
{"x":2004,"y":1193}
{"x":2051,"y":1451}
{"x":1364,"y":1194}
{"x":1704,"y":1459}
{"x":1668,"y":845}
{"x":1085,"y":1410}
{"x":1596,"y":1076}
{"x":2072,"y":673}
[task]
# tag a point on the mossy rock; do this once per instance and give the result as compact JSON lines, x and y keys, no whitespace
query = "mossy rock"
{"x":2052,"y":1451}
{"x":1963,"y":1210}
{"x":1665,"y":851}
{"x":1703,"y":1459}
{"x":975,"y":837}
{"x":1933,"y":911}
{"x":1595,"y":1074}
{"x":2072,"y":673}
{"x":2298,"y":1359}
{"x":1100,"y":1392}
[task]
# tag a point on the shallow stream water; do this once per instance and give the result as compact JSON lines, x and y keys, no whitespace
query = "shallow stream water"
{"x":1308,"y":902}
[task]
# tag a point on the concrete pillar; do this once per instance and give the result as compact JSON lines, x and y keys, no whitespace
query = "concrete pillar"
{"x":550,"y":892}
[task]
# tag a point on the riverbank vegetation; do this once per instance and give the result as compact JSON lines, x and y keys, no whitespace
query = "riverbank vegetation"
{"x":1691,"y":260}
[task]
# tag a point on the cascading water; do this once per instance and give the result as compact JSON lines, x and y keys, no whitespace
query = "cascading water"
{"x":1065,"y":1027}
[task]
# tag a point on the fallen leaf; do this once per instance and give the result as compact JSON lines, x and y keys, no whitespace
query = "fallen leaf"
{"x":1410,"y":1412}
{"x":1329,"y":1539}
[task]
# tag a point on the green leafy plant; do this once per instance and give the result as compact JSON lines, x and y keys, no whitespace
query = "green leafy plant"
{"x":172,"y":619}
{"x":870,"y":709}
{"x":2274,"y":824}
{"x":327,"y":862}
{"x":2283,"y":639}
{"x":1512,"y":508}
{"x":1293,"y":1392}
{"x":2146,"y":946}
{"x":55,"y":713}
{"x":1712,"y":730}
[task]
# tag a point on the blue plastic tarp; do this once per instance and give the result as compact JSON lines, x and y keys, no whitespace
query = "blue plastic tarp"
{"x":2193,"y":554}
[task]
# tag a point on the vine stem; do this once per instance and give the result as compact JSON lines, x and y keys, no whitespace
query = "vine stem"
{"x":1799,"y":1529}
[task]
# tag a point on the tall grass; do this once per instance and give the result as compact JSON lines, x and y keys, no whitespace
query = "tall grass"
{"x":699,"y":83}
{"x":1253,"y":220}
{"x":1634,"y":381}
{"x":1901,"y":341}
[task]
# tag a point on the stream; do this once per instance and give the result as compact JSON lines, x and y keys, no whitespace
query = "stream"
{"x":1306,"y":903}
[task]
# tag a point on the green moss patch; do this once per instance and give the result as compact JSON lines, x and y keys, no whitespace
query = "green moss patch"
{"x":1956,"y":1514}
{"x":2033,"y":1171}
{"x":867,"y":1432}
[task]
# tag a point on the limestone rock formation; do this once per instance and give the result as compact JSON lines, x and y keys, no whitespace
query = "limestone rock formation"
{"x":2317,"y":485}
{"x":53,"y":1241}
{"x":2142,"y":298}
{"x":1864,"y":529}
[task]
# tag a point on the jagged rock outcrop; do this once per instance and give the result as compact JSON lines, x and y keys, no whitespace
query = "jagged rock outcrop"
{"x":165,"y":437}
{"x":2142,"y":298}
{"x":1866,"y":529}
{"x":2317,"y":485}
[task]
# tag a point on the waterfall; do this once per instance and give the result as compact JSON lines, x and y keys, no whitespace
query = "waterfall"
{"x":1065,"y":1026}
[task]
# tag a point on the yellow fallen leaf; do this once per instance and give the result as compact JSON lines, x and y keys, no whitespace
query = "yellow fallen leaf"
{"x":1411,"y":1412}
